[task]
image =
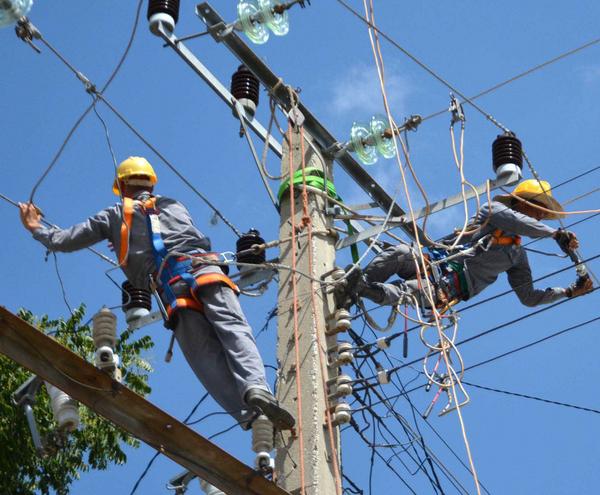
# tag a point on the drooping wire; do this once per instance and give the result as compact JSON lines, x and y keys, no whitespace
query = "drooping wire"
{"x":106,"y":85}
{"x":374,"y":37}
{"x":359,"y":340}
{"x":510,"y":352}
{"x":155,"y":456}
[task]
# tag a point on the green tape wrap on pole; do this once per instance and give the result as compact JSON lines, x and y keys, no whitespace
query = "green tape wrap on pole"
{"x":316,"y":178}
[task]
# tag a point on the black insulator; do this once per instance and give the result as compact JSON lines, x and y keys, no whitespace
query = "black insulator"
{"x":170,"y":7}
{"x":245,"y":85}
{"x":135,"y":298}
{"x":245,"y":243}
{"x":507,"y":149}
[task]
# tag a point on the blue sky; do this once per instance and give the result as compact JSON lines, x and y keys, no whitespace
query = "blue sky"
{"x":519,"y":446}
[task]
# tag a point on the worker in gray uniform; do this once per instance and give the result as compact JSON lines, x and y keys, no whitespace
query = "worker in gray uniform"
{"x":495,"y":240}
{"x":153,"y":234}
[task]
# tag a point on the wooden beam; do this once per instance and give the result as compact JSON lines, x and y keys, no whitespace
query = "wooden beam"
{"x":56,"y":364}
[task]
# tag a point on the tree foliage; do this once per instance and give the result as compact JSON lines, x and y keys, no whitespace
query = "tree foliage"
{"x":95,"y":445}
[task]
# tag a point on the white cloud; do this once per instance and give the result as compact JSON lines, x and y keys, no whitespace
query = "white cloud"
{"x":590,"y":74}
{"x":357,"y":91}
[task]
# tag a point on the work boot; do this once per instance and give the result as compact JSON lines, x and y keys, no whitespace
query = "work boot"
{"x":264,"y":401}
{"x":347,"y":289}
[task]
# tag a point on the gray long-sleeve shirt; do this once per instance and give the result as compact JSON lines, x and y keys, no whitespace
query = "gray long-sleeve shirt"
{"x":177,"y":229}
{"x":483,"y":268}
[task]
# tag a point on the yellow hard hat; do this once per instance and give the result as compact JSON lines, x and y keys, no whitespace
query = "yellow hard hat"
{"x":537,"y":191}
{"x":134,"y":166}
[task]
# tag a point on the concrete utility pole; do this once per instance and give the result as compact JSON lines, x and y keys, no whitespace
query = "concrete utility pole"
{"x":317,"y":457}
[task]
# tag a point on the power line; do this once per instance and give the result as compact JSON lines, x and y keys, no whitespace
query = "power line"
{"x":532,"y":397}
{"x":98,"y":95}
{"x":415,"y":410}
{"x":531,"y":70}
{"x":508,"y":353}
{"x":423,"y":66}
{"x":491,"y":298}
{"x":154,"y":457}
{"x":108,"y":82}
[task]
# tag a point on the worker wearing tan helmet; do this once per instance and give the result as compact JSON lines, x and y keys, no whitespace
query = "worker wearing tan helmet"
{"x":203,"y":308}
{"x":495,"y":237}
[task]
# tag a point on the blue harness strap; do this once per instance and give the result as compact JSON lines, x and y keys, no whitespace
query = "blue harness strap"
{"x":173,"y":267}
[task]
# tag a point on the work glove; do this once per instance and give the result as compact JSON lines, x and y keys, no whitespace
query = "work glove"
{"x":583,"y":286}
{"x":566,"y":240}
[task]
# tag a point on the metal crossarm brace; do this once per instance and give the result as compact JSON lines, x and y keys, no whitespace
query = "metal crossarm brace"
{"x":216,"y":85}
{"x":223,"y":33}
{"x":504,"y":180}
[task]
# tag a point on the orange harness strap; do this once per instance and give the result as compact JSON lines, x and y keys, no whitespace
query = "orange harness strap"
{"x":125,"y":229}
{"x":498,"y":238}
{"x":128,"y":209}
{"x":213,"y":278}
{"x":193,"y":302}
{"x":185,"y":303}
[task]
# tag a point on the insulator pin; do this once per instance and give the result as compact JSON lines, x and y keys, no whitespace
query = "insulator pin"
{"x":341,"y":386}
{"x":136,"y":302}
{"x":244,"y":245}
{"x":342,"y":414}
{"x":245,"y":88}
{"x":340,"y":322}
{"x":342,"y":354}
{"x":104,"y":329}
{"x":507,"y":155}
{"x":165,"y":12}
{"x":209,"y":489}
{"x":64,"y":408}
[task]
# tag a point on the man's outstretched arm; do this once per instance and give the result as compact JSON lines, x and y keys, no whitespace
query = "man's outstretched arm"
{"x":79,"y":236}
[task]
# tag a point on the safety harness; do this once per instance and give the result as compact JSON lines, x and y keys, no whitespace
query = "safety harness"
{"x":449,"y":276}
{"x":170,"y":269}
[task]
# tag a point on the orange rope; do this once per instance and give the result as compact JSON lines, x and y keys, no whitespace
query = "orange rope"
{"x":307,"y":221}
{"x":295,"y":306}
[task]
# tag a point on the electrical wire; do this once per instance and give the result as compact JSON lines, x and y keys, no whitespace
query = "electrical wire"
{"x":487,"y":332}
{"x":359,"y":340}
{"x":392,"y":337}
{"x":106,"y":85}
{"x":155,"y":456}
{"x":374,"y":33}
{"x":531,"y":70}
{"x":431,"y":72}
{"x":510,"y":352}
{"x":532,"y":397}
{"x":257,"y":161}
{"x":98,"y":95}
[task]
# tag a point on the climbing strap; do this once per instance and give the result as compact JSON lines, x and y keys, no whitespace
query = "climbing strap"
{"x":316,"y":178}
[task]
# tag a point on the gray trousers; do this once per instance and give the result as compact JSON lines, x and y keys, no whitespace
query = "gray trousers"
{"x":396,"y":260}
{"x":220,"y":348}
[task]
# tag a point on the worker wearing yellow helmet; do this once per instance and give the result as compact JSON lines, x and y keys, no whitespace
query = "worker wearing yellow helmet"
{"x":493,"y":246}
{"x":135,"y":171}
{"x":201,"y":302}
